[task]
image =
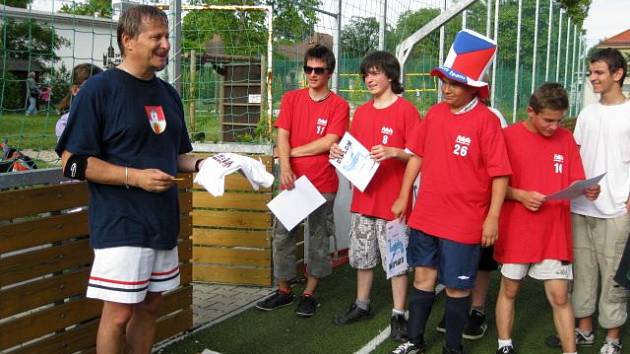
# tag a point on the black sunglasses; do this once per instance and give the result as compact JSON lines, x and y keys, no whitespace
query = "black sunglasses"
{"x":318,"y":71}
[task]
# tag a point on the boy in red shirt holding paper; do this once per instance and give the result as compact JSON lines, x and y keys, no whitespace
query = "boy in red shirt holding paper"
{"x":465,"y":170}
{"x":536,"y":236}
{"x":383,"y":125}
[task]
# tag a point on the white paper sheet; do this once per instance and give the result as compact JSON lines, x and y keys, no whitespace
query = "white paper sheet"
{"x":396,"y":236}
{"x":293,"y":206}
{"x":575,"y":190}
{"x":356,"y":164}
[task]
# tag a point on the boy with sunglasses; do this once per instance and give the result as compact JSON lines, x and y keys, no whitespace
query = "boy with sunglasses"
{"x":465,"y":170}
{"x":310,"y":121}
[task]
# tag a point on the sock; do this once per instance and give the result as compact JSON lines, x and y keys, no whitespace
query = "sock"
{"x":505,"y":343}
{"x":584,"y":333}
{"x":480,"y":309}
{"x":420,"y":304}
{"x":285,"y":291}
{"x":570,"y":353}
{"x":307,"y":294}
{"x":612,"y":340}
{"x":363,"y":304}
{"x":456,"y":315}
{"x":396,"y":312}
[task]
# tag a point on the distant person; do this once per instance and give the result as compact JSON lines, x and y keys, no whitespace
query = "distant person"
{"x":80,"y":74}
{"x":32,"y":93}
{"x":310,"y":121}
{"x":535,"y":233}
{"x":601,"y":227}
{"x":384,"y":125}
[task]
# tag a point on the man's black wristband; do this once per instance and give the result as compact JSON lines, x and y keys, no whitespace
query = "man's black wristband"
{"x":75,"y":167}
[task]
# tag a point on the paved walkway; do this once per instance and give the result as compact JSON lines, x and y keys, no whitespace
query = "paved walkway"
{"x":214,"y":302}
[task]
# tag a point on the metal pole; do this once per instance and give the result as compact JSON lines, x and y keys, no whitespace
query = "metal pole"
{"x":488,"y":17}
{"x":464,"y":18}
{"x":516,"y":67}
{"x":441,"y":54}
{"x":566,"y":56}
{"x":535,"y":46}
{"x":558,"y":44}
{"x":175,"y":53}
{"x":382,"y":26}
{"x":550,"y":20}
{"x":269,"y":78}
{"x":573,"y":100}
{"x":582,"y":71}
{"x":337,"y":49}
{"x":494,"y":60}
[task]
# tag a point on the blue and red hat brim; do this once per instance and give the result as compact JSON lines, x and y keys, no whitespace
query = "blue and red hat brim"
{"x":448,"y":73}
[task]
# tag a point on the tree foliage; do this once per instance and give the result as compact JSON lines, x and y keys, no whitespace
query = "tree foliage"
{"x":359,"y":37}
{"x":293,"y":20}
{"x":577,"y":10}
{"x":100,"y":8}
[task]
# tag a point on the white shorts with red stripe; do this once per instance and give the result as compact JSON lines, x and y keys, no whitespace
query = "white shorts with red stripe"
{"x":125,"y":274}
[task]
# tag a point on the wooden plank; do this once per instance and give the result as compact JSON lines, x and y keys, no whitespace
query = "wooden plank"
{"x":70,"y":341}
{"x":185,"y":273}
{"x":220,"y":274}
{"x":41,"y":231}
{"x":55,"y":259}
{"x":236,"y":182}
{"x":185,"y":227}
{"x":231,"y":238}
{"x":84,"y":335}
{"x":185,"y":201}
{"x":233,"y":219}
{"x":42,"y":199}
{"x":52,"y":319}
{"x":232,"y":256}
{"x":175,"y":300}
{"x":177,"y":323}
{"x":41,"y":292}
{"x":186,"y":183}
{"x":185,"y":250}
{"x":242,"y":201}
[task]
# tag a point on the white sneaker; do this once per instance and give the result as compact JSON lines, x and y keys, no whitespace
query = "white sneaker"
{"x":610,"y":348}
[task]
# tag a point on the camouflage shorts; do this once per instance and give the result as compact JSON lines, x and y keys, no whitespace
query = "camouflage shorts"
{"x":368,"y":242}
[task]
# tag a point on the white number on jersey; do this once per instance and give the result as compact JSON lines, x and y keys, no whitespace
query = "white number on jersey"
{"x":385,"y":138}
{"x":460,"y":150}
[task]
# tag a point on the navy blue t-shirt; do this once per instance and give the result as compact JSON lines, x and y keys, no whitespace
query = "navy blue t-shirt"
{"x":136,"y":123}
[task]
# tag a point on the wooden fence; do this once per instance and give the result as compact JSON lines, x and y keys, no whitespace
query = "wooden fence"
{"x":44,"y":266}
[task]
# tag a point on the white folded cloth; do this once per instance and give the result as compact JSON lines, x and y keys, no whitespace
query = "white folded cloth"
{"x":214,"y":169}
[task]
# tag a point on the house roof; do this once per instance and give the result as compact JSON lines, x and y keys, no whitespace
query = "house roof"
{"x":620,"y":40}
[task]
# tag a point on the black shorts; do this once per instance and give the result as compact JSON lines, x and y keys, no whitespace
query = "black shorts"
{"x":486,"y":261}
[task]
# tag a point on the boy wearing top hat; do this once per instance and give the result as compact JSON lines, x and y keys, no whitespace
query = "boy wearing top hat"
{"x":465,"y":170}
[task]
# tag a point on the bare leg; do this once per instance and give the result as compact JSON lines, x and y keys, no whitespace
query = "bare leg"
{"x":557,"y":291}
{"x":505,"y":307}
{"x":480,"y":291}
{"x":141,"y":326}
{"x":399,"y":291}
{"x":110,"y":337}
{"x":364,"y":283}
{"x":311,"y":284}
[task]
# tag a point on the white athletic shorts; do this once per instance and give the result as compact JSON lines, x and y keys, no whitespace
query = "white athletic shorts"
{"x":546,"y":270}
{"x":125,"y":274}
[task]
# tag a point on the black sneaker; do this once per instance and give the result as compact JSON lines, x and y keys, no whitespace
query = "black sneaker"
{"x":441,"y":327}
{"x":307,"y":306}
{"x":408,"y":348}
{"x":553,"y":341}
{"x":477,"y":325}
{"x":275,"y":301}
{"x":446,"y":350}
{"x":354,"y":314}
{"x":398,"y":328}
{"x":507,"y":349}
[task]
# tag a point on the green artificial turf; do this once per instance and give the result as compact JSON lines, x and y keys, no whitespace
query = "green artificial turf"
{"x":281,"y":331}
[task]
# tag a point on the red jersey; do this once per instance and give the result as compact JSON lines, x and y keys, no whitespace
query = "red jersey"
{"x":545,"y":165}
{"x":391,"y":126}
{"x":306,"y":121}
{"x":461,"y":153}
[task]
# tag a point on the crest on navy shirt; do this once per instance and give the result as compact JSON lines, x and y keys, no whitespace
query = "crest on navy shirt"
{"x":156,"y":117}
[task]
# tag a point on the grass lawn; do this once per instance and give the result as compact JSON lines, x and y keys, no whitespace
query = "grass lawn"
{"x":281,"y":331}
{"x":29,"y":132}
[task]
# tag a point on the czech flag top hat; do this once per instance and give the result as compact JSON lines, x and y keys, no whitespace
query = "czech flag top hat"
{"x":468,"y":59}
